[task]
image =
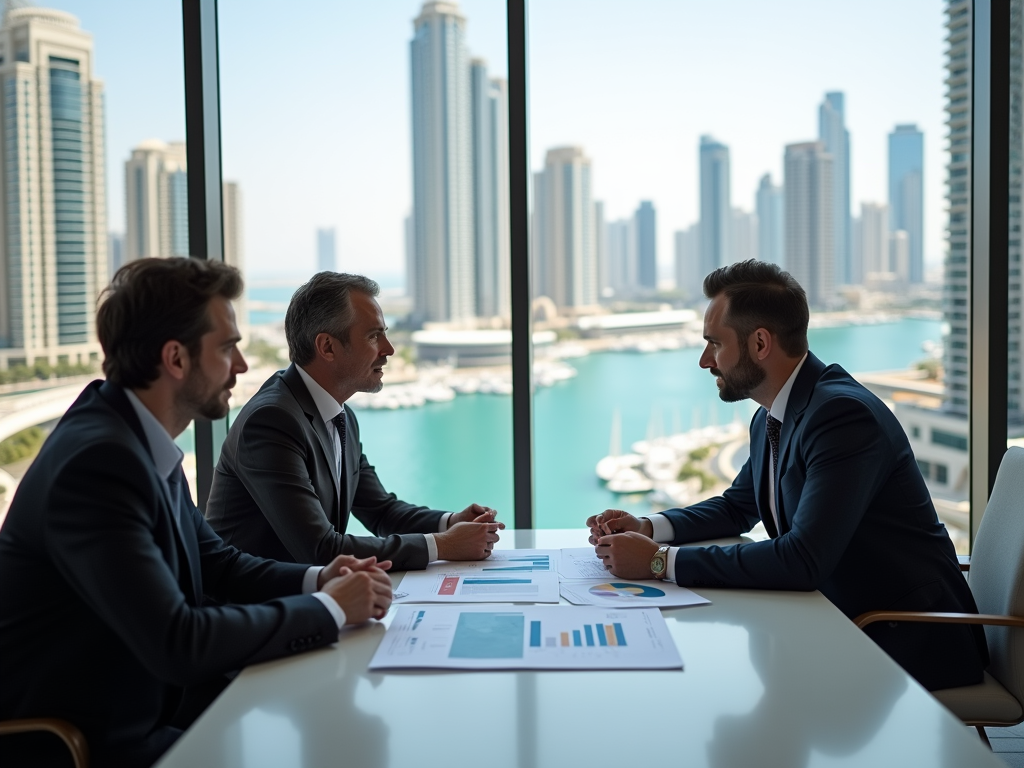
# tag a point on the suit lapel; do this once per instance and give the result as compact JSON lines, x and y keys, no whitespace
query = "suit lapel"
{"x":799,"y":397}
{"x":117,"y":399}
{"x":759,"y":461}
{"x":301,"y":394}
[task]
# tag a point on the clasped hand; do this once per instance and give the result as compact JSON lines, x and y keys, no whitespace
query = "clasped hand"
{"x":623,"y":542}
{"x":359,"y":586}
{"x":471,"y":534}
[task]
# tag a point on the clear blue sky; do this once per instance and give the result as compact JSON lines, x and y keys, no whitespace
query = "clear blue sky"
{"x":315,"y":101}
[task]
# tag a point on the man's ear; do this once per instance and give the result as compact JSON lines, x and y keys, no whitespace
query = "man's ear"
{"x":174,"y":358}
{"x":327,"y":346}
{"x":761,"y":343}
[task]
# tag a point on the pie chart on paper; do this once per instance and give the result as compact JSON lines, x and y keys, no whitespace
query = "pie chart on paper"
{"x":626,"y":591}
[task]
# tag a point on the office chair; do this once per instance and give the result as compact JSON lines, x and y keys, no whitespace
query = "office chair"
{"x":996,"y":577}
{"x":69,"y":734}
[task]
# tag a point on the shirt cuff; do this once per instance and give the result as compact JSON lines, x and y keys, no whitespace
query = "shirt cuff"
{"x":431,"y":547}
{"x":331,"y":605}
{"x":310,"y":578}
{"x":443,"y":526}
{"x":662,"y":529}
{"x":670,"y":570}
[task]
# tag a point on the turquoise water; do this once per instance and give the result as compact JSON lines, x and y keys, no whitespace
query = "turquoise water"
{"x":447,"y":455}
{"x":450,"y":454}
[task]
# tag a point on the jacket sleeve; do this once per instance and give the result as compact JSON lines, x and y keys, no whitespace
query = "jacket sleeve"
{"x":272,"y":463}
{"x":104,"y":533}
{"x":839,"y":452}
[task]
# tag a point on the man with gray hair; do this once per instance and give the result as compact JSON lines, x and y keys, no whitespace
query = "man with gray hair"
{"x":292,"y":467}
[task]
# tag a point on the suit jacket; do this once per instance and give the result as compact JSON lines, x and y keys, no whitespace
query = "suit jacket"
{"x":102,"y":585}
{"x":276,"y":491}
{"x":856,"y":521}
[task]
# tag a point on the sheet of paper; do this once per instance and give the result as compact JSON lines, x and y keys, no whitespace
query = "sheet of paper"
{"x":580,"y":563}
{"x":477,"y":586}
{"x":503,"y":561}
{"x":625,"y":593}
{"x":526,"y":637}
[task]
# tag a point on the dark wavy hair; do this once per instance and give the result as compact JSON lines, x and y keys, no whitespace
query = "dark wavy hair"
{"x":762,"y":295}
{"x":152,"y":301}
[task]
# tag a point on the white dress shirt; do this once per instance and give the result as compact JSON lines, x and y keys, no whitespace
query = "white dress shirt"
{"x":662,"y":530}
{"x":329,"y":408}
{"x":167,"y":458}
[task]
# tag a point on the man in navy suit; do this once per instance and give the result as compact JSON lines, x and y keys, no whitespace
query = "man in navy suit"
{"x":832,"y":476}
{"x":121,"y":610}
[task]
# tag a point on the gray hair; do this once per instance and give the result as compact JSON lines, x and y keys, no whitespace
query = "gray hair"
{"x":322,"y":305}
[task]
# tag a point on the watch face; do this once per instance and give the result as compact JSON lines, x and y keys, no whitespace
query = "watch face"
{"x":658,"y":565}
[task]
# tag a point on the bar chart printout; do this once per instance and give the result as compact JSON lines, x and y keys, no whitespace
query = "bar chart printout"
{"x":526,"y":637}
{"x":438,"y":586}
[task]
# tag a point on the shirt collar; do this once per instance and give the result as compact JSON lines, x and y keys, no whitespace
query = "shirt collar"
{"x":325,"y":403}
{"x":778,"y":409}
{"x":167,"y":455}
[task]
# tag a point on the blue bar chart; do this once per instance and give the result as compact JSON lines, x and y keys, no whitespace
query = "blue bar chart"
{"x":608,"y":636}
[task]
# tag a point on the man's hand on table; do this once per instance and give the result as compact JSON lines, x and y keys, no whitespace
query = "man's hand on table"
{"x":343,"y":564}
{"x":362,"y":594}
{"x":471,"y":534}
{"x":617,"y":521}
{"x":627,"y":555}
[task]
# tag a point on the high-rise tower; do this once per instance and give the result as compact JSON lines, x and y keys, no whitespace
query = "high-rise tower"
{"x":156,"y":200}
{"x":810,"y":241}
{"x":53,"y":216}
{"x":906,"y":192}
{"x":770,"y":222}
{"x":715,"y":205}
{"x":646,"y":246}
{"x":443,"y":283}
{"x":563,"y":231}
{"x":832,"y":133}
{"x":489,"y":97}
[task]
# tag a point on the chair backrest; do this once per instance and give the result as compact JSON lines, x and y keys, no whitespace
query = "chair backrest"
{"x":997,"y":570}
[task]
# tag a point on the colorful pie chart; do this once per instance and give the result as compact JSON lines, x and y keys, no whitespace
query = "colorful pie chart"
{"x":625,"y":591}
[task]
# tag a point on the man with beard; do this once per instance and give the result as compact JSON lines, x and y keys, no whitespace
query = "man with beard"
{"x":292,"y":468}
{"x":121,"y":611}
{"x":830,"y":474}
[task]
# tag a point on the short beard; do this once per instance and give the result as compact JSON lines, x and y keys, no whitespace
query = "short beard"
{"x":741,"y":380}
{"x":196,"y":400}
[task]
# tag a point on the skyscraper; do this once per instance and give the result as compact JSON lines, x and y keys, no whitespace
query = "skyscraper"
{"x":156,"y":200}
{"x":874,"y":240}
{"x":689,"y":277}
{"x":53,"y":246}
{"x":646,"y":246}
{"x":563,"y":231}
{"x":810,"y":241}
{"x":744,"y":235}
{"x":770,"y":222}
{"x":489,"y":97}
{"x":326,"y":250}
{"x":234,"y":246}
{"x":833,"y":135}
{"x":956,"y":309}
{"x":604,"y":286}
{"x":622,"y":256}
{"x":906,"y":192}
{"x":444,"y":271}
{"x":715,"y":205}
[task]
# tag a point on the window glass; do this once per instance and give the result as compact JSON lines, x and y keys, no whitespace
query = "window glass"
{"x":677,"y":137}
{"x":85,"y":87}
{"x":379,"y":146}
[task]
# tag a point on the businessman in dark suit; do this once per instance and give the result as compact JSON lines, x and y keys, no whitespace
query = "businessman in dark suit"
{"x":292,"y":468}
{"x":832,"y":476}
{"x":120,"y":608}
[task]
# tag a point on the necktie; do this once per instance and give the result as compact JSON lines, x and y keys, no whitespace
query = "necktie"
{"x":339,"y":424}
{"x":774,"y":432}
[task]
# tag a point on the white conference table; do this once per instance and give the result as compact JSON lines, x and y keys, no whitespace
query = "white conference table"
{"x":770,"y":679}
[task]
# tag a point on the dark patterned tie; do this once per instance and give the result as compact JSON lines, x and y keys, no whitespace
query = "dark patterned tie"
{"x":339,"y":424}
{"x":774,"y":432}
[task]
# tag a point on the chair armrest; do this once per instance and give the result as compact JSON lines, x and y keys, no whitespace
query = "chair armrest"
{"x":69,"y":734}
{"x":965,"y":562}
{"x":939,"y":618}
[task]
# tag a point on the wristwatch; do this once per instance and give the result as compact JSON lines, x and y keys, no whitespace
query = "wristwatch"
{"x":659,"y":563}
